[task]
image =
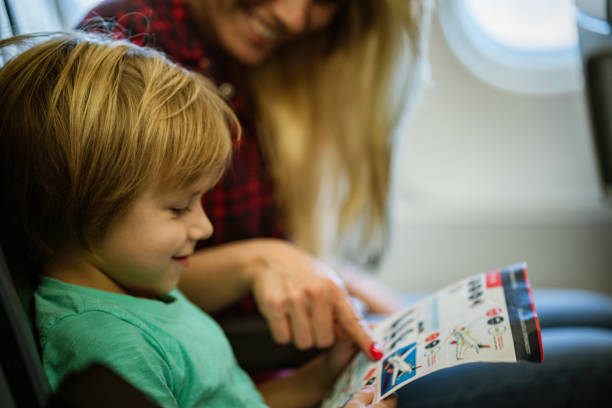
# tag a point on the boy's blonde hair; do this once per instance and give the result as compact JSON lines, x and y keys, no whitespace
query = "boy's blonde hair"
{"x":87,"y":124}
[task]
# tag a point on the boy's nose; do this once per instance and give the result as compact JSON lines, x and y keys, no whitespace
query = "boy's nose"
{"x":201,"y":228}
{"x":292,"y":14}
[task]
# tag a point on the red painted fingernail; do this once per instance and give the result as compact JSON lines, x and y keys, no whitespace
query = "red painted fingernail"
{"x":376,"y":351}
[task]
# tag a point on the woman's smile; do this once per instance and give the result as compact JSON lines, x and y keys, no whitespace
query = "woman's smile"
{"x":251,"y":30}
{"x":262,"y":34}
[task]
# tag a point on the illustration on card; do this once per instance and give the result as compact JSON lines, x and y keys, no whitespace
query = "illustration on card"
{"x":465,"y":341}
{"x":398,"y":367}
{"x":497,"y":327}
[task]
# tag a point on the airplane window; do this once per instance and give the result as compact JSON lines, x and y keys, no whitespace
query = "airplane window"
{"x":27,"y":16}
{"x":517,"y":45}
{"x":527,"y":24}
{"x":74,"y":10}
{"x":5,"y":26}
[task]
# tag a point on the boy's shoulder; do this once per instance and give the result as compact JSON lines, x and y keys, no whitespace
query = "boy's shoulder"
{"x":167,"y":347}
{"x":77,"y":326}
{"x":76,"y":308}
{"x":76,"y":329}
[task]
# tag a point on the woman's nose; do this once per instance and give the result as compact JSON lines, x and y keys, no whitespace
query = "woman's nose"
{"x":292,"y":14}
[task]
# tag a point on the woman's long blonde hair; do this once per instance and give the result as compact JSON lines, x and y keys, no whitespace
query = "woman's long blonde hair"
{"x":328,"y":106}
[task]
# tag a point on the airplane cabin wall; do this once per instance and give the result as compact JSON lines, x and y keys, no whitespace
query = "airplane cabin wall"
{"x":486,"y":177}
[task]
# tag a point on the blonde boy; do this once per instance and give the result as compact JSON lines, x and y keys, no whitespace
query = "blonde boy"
{"x":106,"y":151}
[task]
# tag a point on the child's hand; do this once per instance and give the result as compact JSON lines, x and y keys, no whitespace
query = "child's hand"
{"x":308,"y":385}
{"x":364,"y":398}
{"x":302,"y":299}
{"x":337,"y":359}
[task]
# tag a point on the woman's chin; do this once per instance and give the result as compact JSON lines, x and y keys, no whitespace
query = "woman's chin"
{"x":249,"y":54}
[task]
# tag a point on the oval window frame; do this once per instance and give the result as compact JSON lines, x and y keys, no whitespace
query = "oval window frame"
{"x":513,"y":70}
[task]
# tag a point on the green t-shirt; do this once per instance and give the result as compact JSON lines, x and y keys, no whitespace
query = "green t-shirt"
{"x":168,"y":348}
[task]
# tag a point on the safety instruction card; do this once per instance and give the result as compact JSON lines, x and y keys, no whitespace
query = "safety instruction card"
{"x":485,"y":318}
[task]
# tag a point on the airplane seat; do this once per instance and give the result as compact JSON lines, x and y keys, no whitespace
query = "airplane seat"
{"x":23,"y":383}
{"x":594,"y":23}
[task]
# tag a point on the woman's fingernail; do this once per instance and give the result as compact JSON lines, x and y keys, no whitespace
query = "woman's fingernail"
{"x":376,"y":351}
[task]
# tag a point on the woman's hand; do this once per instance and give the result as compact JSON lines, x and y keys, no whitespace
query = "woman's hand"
{"x":364,"y":398}
{"x":303,"y":301}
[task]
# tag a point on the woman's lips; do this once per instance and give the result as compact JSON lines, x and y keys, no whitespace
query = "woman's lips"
{"x":260,"y":34}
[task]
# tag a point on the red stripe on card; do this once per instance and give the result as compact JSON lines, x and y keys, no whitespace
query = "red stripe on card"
{"x":494,"y":279}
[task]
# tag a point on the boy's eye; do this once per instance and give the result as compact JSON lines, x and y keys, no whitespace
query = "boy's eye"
{"x":179,"y":210}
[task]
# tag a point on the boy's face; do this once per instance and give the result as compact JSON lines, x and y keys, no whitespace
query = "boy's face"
{"x":145,"y":251}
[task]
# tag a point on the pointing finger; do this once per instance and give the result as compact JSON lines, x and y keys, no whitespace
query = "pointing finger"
{"x":357,"y":328}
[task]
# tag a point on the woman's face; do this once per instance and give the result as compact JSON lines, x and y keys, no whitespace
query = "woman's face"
{"x":250,"y":30}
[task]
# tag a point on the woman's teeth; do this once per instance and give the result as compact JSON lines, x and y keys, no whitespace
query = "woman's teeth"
{"x":262,"y":30}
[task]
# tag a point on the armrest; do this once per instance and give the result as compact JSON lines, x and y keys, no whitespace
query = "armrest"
{"x":96,"y":387}
{"x":255,"y":349}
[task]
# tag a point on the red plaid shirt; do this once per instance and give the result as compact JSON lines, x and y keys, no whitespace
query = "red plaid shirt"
{"x":241,"y":205}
